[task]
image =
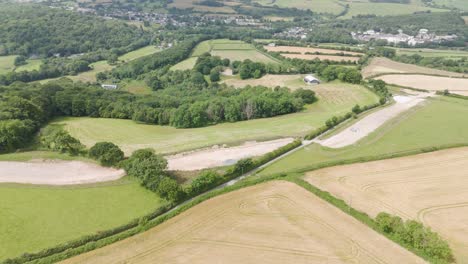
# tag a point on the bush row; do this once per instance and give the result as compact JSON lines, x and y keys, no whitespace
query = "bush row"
{"x":206,"y":181}
{"x":336,"y":120}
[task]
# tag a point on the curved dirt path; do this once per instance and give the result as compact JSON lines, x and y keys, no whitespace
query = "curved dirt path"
{"x":368,"y":124}
{"x":219,"y":156}
{"x":56,"y":172}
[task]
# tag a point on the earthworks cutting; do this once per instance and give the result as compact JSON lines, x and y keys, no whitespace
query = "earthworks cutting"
{"x":370,"y":123}
{"x":431,"y":188}
{"x":56,"y":172}
{"x":275,"y":222}
{"x":217,"y":156}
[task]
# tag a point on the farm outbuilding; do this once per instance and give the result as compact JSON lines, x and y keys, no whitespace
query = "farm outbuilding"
{"x":309,"y":79}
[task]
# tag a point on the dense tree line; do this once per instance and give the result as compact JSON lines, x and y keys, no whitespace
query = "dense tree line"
{"x":42,"y":31}
{"x":187,"y":102}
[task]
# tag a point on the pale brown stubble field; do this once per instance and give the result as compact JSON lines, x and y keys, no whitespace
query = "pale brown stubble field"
{"x":431,"y":188}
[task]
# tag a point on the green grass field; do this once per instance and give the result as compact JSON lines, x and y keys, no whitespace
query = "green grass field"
{"x":335,"y":98}
{"x":30,"y":65}
{"x":38,"y":154}
{"x":7,"y":64}
{"x":145,"y":51}
{"x":460,"y":4}
{"x":361,"y":7}
{"x":33,"y":218}
{"x":449,"y":54}
{"x":135,"y":87}
{"x":224,"y":48}
{"x":440,"y":122}
{"x":186,"y":64}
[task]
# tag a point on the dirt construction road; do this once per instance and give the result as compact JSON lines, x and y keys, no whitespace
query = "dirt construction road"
{"x":370,"y":123}
{"x":275,"y":222}
{"x":431,"y":188}
{"x":56,"y":172}
{"x":219,"y":156}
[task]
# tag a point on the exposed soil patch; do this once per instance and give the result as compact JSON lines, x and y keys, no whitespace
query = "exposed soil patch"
{"x":55,"y":172}
{"x":222,"y":156}
{"x":275,"y":222}
{"x":370,"y":123}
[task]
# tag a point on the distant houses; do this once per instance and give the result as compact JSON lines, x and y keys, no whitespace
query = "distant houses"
{"x":422,"y":37}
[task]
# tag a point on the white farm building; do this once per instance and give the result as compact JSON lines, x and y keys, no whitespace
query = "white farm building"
{"x":309,"y":79}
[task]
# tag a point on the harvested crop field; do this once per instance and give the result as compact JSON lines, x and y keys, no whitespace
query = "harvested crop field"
{"x":293,"y":81}
{"x":427,"y":82}
{"x":320,"y":57}
{"x":275,"y":222}
{"x":303,"y":50}
{"x":56,"y":172}
{"x":217,"y":156}
{"x":431,"y":188}
{"x":380,"y":66}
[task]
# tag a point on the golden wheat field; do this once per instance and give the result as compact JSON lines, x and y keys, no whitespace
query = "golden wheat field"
{"x":275,"y":222}
{"x":431,"y":188}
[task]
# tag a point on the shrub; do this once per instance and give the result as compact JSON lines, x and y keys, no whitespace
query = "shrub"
{"x":147,"y":167}
{"x":107,"y":153}
{"x":205,"y":181}
{"x":55,"y":138}
{"x":170,"y":190}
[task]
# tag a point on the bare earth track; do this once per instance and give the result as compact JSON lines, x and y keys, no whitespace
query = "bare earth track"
{"x":219,"y":156}
{"x":370,"y":123}
{"x":431,"y":187}
{"x":56,"y":172}
{"x":275,"y":222}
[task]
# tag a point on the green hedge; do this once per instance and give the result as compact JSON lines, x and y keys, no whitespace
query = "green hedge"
{"x":144,"y":225}
{"x":91,"y":242}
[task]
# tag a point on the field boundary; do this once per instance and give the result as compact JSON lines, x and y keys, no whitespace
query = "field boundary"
{"x":358,"y":215}
{"x":414,"y":73}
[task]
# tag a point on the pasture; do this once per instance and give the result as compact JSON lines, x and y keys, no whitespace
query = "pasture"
{"x":320,"y":57}
{"x":7,"y":64}
{"x":319,"y":6}
{"x":33,"y":218}
{"x":30,"y":65}
{"x":386,"y":9}
{"x":430,"y":83}
{"x":224,"y":48}
{"x":303,"y":50}
{"x":460,"y":4}
{"x":334,"y":99}
{"x":440,"y":121}
{"x":275,"y":222}
{"x":380,"y":66}
{"x":448,"y":54}
{"x":430,"y":188}
{"x":186,"y":4}
{"x":145,"y":51}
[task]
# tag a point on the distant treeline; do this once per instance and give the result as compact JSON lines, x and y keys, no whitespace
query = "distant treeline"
{"x":37,"y":30}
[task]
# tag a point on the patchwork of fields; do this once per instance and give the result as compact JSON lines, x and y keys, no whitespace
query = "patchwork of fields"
{"x":442,"y":121}
{"x":276,"y":222}
{"x":318,"y":53}
{"x":430,"y":188}
{"x":234,"y":50}
{"x":334,"y":99}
